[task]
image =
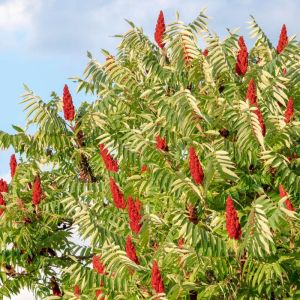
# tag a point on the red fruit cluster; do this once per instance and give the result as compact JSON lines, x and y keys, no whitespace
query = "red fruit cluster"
{"x":251,"y":96}
{"x":251,"y":93}
{"x":233,"y":226}
{"x":195,"y":167}
{"x":180,"y":243}
{"x":144,"y":168}
{"x":56,"y":290}
{"x":110,"y":163}
{"x":37,"y":191}
{"x":130,"y":250}
{"x":13,"y":165}
{"x":193,"y":214}
{"x":161,"y":143}
{"x":242,"y":58}
{"x":134,"y":215}
{"x":261,"y":121}
{"x":205,"y":52}
{"x":160,"y":30}
{"x":283,"y":39}
{"x":284,"y":71}
{"x":98,"y":266}
{"x":156,"y":279}
{"x":287,"y":202}
{"x":77,"y":291}
{"x":98,"y":293}
{"x":68,"y":107}
{"x":3,"y":189}
{"x":3,"y":186}
{"x":289,"y":111}
{"x":117,"y":195}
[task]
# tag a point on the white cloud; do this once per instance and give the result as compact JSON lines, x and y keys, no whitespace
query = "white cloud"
{"x":17,"y":14}
{"x":71,"y":27}
{"x":16,"y":22}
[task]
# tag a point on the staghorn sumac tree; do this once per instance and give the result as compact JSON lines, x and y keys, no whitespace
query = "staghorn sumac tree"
{"x":182,"y":177}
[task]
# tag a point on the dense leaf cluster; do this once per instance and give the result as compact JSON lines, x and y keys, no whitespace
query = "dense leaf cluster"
{"x":168,"y":235}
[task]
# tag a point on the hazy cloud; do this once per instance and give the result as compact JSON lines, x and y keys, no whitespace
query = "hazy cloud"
{"x":16,"y":14}
{"x":71,"y":27}
{"x":16,"y":21}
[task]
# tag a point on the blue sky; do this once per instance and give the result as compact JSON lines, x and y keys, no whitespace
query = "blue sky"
{"x":44,"y":42}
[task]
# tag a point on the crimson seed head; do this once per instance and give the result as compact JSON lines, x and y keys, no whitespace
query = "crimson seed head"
{"x":56,"y":292}
{"x":77,"y":291}
{"x":205,"y":52}
{"x":161,"y":143}
{"x":160,"y":30}
{"x":195,"y":167}
{"x":261,"y":121}
{"x":134,"y":215}
{"x":193,"y":214}
{"x":156,"y":279}
{"x":144,"y":168}
{"x":130,"y":250}
{"x":224,"y":132}
{"x":289,"y":205}
{"x":251,"y":92}
{"x":110,"y":163}
{"x":233,"y":226}
{"x":37,"y":191}
{"x":180,"y":243}
{"x":289,"y":111}
{"x":283,"y":39}
{"x":284,"y":71}
{"x":55,"y":288}
{"x":117,"y":195}
{"x":13,"y":165}
{"x":68,"y":107}
{"x":251,"y":96}
{"x":287,"y":202}
{"x":242,"y":58}
{"x":98,"y":294}
{"x":3,"y":186}
{"x":2,"y":203}
{"x":98,"y":266}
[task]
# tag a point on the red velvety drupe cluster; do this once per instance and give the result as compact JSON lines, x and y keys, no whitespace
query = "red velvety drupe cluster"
{"x":117,"y":195}
{"x":110,"y":163}
{"x":283,"y":39}
{"x":37,"y":191}
{"x":156,"y":279}
{"x":251,"y":96}
{"x":13,"y":165}
{"x":242,"y":58}
{"x":289,"y":112}
{"x":160,"y":30}
{"x":134,"y":215}
{"x":68,"y":107}
{"x":195,"y":167}
{"x":287,"y":202}
{"x":233,"y":226}
{"x":130,"y":250}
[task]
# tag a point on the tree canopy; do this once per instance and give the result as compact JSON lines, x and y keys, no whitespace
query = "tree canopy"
{"x":179,"y":181}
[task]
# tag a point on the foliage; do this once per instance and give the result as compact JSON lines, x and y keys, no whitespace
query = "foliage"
{"x":176,"y":95}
